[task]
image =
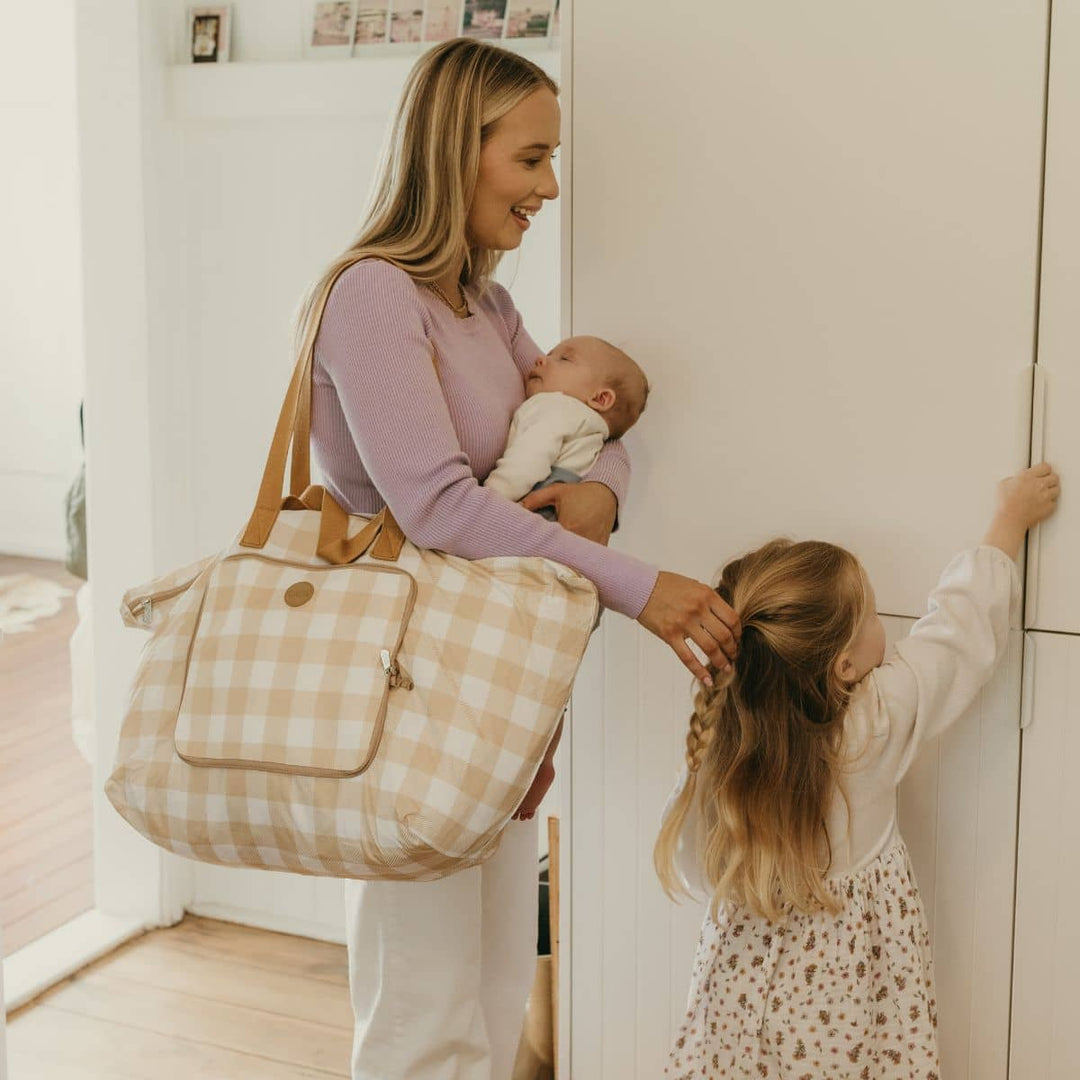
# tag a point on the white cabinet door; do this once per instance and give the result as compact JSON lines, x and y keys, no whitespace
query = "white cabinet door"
{"x":1053,"y":601}
{"x":1046,"y":990}
{"x":816,"y":228}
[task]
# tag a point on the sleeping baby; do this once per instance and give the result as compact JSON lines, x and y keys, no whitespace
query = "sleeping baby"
{"x":583,"y":392}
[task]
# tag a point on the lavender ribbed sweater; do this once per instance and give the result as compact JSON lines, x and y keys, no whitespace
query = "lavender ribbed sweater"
{"x":384,"y":430}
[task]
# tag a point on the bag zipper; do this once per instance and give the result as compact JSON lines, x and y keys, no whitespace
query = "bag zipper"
{"x":144,"y":609}
{"x":398,"y":676}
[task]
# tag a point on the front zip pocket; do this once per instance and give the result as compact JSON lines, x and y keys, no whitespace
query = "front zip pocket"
{"x":290,"y":665}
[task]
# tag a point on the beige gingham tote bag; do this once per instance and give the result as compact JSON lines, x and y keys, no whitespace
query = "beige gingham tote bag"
{"x":324,"y":697}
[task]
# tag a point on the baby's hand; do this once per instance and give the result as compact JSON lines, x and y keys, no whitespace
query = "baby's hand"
{"x":1023,"y":500}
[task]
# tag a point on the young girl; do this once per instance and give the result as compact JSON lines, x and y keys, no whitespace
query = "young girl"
{"x":814,"y":960}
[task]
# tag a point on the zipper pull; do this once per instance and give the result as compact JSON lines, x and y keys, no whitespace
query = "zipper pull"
{"x":398,"y":676}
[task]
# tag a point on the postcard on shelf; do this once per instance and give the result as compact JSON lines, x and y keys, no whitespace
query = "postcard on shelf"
{"x":443,"y":19}
{"x":484,"y":19}
{"x":406,"y":20}
{"x":528,"y":18}
{"x":372,"y":24}
{"x":209,"y":33}
{"x":332,"y":25}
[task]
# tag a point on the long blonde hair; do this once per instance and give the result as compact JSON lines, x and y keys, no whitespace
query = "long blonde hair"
{"x":765,"y":744}
{"x":454,"y":96}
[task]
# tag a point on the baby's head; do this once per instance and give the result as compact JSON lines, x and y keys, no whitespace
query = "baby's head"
{"x":765,"y":746}
{"x":597,"y":373}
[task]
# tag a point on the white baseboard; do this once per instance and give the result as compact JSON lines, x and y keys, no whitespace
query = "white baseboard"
{"x":263,"y":920}
{"x":34,"y":968}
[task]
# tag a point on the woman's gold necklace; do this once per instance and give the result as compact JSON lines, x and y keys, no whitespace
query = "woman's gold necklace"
{"x":460,"y":310}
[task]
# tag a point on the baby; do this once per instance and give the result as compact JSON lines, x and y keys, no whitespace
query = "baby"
{"x":583,"y":392}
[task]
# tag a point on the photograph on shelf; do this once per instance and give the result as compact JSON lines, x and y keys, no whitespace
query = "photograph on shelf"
{"x":484,"y":19}
{"x":332,"y":25}
{"x":406,"y":20}
{"x":443,"y":20}
{"x":372,"y":21}
{"x":208,"y":36}
{"x":528,"y":18}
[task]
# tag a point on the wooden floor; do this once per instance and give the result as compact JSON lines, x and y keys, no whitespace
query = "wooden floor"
{"x":46,"y":871}
{"x":204,"y":999}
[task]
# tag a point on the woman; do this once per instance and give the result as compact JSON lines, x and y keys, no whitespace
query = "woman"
{"x":419,"y":367}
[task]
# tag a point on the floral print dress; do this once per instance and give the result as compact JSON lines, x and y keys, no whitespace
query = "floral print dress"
{"x":850,"y":996}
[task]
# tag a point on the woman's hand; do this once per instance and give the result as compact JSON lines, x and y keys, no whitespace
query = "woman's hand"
{"x":681,"y":608}
{"x":544,"y":776}
{"x":587,"y":509}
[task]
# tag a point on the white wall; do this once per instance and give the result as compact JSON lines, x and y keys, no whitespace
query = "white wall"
{"x":40,"y":298}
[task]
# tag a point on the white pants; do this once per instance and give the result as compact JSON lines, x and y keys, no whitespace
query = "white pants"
{"x":439,"y":971}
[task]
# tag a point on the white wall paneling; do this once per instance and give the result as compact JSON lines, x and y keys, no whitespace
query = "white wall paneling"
{"x":958,"y":815}
{"x":1046,"y":994}
{"x":1053,"y":600}
{"x":817,"y":230}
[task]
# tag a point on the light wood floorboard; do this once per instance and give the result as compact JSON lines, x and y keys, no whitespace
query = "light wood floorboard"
{"x":202,"y":999}
{"x":46,"y":868}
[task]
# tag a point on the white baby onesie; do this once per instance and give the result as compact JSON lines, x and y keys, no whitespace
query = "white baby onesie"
{"x":549,"y":430}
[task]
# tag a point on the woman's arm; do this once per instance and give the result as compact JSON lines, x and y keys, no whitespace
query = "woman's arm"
{"x":373,"y":347}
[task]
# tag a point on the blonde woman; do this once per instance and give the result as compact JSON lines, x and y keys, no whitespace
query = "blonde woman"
{"x":440,"y":971}
{"x":814,"y":959}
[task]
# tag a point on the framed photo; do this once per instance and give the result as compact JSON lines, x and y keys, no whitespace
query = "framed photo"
{"x":372,"y":23}
{"x":484,"y":19}
{"x":209,"y":33}
{"x":443,"y":19}
{"x":333,"y":23}
{"x":406,"y":20}
{"x":528,"y":18}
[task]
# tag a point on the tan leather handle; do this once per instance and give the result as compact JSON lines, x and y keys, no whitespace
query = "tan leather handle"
{"x":382,"y":534}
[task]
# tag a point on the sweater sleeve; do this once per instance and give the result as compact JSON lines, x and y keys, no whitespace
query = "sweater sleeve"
{"x":939,"y":668}
{"x":374,"y":348}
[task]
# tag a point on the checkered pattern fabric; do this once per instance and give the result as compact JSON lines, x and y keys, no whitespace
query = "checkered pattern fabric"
{"x":269,"y":734}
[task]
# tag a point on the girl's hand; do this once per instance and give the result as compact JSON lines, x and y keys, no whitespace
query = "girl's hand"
{"x":681,"y":608}
{"x":1023,"y":500}
{"x":587,"y":509}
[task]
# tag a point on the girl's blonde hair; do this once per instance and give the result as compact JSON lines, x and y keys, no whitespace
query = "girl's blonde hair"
{"x":764,"y":745}
{"x":454,"y":96}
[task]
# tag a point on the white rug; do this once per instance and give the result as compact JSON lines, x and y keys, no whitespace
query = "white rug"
{"x":25,"y":598}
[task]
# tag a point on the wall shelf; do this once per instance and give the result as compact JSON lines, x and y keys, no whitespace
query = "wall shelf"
{"x":249,"y":90}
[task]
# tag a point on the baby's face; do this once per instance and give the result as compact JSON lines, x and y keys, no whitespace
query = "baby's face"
{"x":575,"y":367}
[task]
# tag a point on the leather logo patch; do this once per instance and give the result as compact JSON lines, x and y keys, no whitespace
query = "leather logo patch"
{"x":299,"y":594}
